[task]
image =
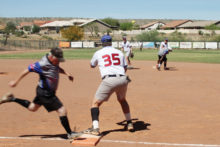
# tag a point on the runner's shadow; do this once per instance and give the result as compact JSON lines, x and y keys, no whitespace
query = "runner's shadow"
{"x":138,"y":126}
{"x":132,"y":68}
{"x":172,"y":69}
{"x":3,"y":73}
{"x":62,"y":136}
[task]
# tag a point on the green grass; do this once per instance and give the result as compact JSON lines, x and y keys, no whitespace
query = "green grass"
{"x":199,"y":56}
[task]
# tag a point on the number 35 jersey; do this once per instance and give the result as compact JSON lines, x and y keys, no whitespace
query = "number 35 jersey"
{"x":110,"y":61}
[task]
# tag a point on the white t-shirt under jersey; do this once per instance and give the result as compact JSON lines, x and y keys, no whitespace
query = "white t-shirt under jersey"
{"x":110,"y":61}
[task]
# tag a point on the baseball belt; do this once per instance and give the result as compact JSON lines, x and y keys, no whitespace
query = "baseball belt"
{"x":111,"y":76}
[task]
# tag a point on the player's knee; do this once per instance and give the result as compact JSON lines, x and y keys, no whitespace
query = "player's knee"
{"x":33,"y":107}
{"x":96,"y":103}
{"x":62,"y":111}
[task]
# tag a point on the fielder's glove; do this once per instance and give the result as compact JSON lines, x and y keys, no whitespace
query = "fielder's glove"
{"x":132,"y":55}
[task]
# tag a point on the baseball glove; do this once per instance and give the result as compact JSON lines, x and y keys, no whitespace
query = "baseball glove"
{"x":132,"y":55}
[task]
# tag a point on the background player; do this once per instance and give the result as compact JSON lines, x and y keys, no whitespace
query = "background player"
{"x":48,"y":70}
{"x":112,"y":66}
{"x":127,"y":48}
{"x":164,"y":50}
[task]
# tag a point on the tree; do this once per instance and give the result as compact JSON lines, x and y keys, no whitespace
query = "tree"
{"x":93,"y":29}
{"x":212,"y":27}
{"x":111,"y":21}
{"x":136,"y":26}
{"x":10,"y":28}
{"x":177,"y":36}
{"x":149,"y":36}
{"x":27,"y":28}
{"x":35,"y":29}
{"x":73,"y":33}
{"x":19,"y":33}
{"x":126,"y":26}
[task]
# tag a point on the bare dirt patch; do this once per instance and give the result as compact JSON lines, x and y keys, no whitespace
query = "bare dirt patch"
{"x":176,"y":106}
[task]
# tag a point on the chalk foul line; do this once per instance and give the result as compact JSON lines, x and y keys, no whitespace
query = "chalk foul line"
{"x":117,"y":141}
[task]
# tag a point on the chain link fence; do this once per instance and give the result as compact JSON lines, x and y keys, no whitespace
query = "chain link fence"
{"x":28,"y":44}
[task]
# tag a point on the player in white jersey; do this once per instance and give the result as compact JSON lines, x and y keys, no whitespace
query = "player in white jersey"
{"x":164,"y":50}
{"x":127,"y":48}
{"x":112,"y":66}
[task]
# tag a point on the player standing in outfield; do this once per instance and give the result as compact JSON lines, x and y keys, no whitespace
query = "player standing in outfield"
{"x":127,"y":48}
{"x":112,"y":66}
{"x":164,"y":50}
{"x":48,"y":70}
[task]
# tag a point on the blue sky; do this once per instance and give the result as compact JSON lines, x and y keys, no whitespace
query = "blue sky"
{"x":119,"y":9}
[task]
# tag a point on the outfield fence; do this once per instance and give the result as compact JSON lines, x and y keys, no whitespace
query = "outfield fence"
{"x":47,"y":44}
{"x":28,"y":44}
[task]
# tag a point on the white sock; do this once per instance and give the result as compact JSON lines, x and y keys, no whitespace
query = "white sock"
{"x":128,"y":116}
{"x":95,"y":124}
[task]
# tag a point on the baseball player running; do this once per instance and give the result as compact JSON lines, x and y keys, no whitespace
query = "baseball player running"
{"x":48,"y":70}
{"x":164,"y":50}
{"x":127,"y":48}
{"x":112,"y":66}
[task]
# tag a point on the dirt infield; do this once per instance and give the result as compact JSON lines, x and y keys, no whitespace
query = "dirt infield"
{"x":178,"y":106}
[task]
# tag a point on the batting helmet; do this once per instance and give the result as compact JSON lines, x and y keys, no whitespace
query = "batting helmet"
{"x":106,"y":38}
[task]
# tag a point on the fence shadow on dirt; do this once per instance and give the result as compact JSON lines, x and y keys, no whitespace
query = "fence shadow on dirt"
{"x":138,"y":126}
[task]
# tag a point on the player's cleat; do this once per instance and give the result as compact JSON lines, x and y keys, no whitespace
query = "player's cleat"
{"x":158,"y":67}
{"x":130,"y":127}
{"x":166,"y":68}
{"x":92,"y":131}
{"x":73,"y":135}
{"x":8,"y":97}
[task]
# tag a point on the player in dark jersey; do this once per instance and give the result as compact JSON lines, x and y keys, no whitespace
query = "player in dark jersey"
{"x":48,"y":70}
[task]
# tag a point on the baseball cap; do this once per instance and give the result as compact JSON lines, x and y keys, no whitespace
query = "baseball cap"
{"x":58,"y":53}
{"x":106,"y":38}
{"x":166,"y":39}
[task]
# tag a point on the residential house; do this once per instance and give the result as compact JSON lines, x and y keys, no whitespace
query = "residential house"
{"x":175,"y":24}
{"x":87,"y":24}
{"x":199,"y":24}
{"x":25,"y":26}
{"x":152,"y":26}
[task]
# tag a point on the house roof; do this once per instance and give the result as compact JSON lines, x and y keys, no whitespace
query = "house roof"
{"x":198,"y":24}
{"x":57,"y":24}
{"x":174,"y":24}
{"x":40,"y":22}
{"x":78,"y":22}
{"x":22,"y":24}
{"x":150,"y":24}
{"x":93,"y":20}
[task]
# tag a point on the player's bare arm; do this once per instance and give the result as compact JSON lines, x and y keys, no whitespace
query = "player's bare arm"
{"x":22,"y":75}
{"x":93,"y":64}
{"x":122,"y":49}
{"x":125,"y":67}
{"x":62,"y":71}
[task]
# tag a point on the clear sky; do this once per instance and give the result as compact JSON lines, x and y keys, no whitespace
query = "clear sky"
{"x":118,"y":9}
